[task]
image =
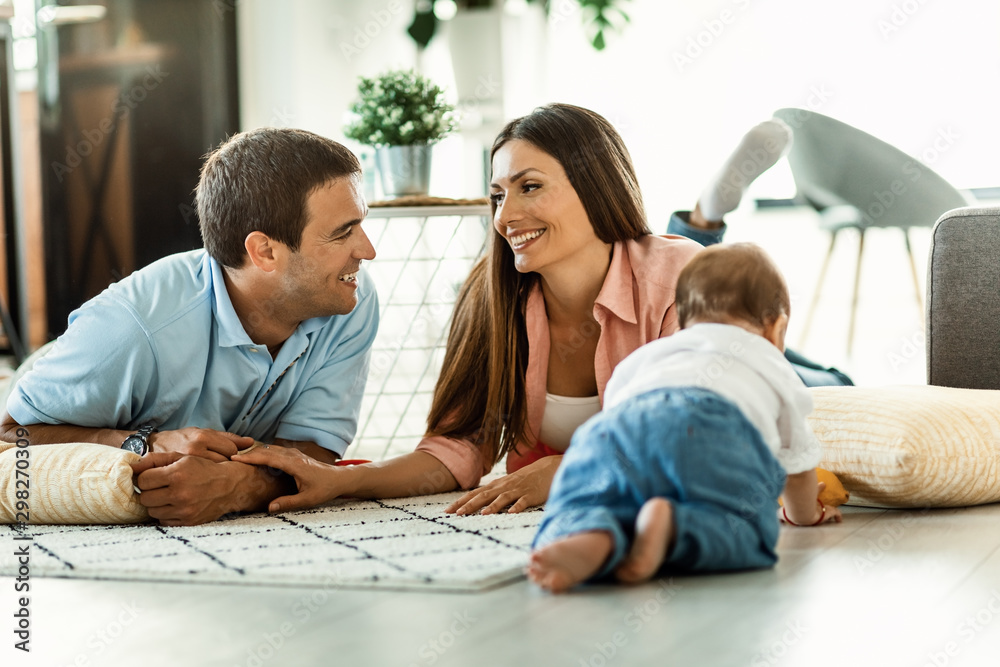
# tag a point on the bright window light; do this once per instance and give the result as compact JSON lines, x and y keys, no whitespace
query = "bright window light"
{"x":445,"y":10}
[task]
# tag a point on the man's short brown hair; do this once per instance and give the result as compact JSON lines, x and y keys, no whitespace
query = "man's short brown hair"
{"x":726,"y":282}
{"x":260,"y":181}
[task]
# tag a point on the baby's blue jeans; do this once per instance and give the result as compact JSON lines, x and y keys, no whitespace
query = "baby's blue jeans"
{"x":686,"y":444}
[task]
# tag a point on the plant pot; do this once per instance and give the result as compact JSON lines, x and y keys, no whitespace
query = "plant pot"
{"x":404,"y":170}
{"x":491,"y":50}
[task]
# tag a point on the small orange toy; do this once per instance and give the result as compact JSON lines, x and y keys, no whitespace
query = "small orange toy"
{"x":834,"y":494}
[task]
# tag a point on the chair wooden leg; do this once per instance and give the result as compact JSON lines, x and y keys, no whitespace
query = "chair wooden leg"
{"x":854,"y":299}
{"x":816,"y":292}
{"x":913,"y":270}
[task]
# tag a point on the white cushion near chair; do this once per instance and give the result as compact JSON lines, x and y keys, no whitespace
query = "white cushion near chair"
{"x":911,"y":446}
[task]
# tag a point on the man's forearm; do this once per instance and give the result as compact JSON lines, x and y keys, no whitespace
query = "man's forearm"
{"x":49,"y":434}
{"x":310,"y":449}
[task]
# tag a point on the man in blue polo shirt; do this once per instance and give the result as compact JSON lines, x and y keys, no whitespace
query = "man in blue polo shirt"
{"x":263,"y":335}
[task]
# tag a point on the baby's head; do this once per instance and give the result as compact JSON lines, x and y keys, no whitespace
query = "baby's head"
{"x":734,"y":284}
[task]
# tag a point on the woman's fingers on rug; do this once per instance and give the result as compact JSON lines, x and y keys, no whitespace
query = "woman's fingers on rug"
{"x":527,"y":487}
{"x":306,"y":498}
{"x":522,"y":504}
{"x":458,"y":504}
{"x":474,"y":500}
{"x":523,"y":489}
{"x":505,"y":499}
{"x":489,"y":499}
{"x":289,"y":504}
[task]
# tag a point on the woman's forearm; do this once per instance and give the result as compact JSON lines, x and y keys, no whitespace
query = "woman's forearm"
{"x":414,"y":474}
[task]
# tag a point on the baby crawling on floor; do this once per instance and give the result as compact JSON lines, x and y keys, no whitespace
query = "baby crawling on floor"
{"x":700,"y":434}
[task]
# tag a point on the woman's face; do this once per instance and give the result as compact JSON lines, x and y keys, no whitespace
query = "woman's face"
{"x":538,"y":212}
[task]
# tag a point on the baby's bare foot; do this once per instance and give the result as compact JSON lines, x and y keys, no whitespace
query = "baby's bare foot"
{"x":559,"y":566}
{"x":654,"y":536}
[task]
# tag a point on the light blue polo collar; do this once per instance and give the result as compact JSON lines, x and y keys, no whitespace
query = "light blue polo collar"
{"x":230,"y":330}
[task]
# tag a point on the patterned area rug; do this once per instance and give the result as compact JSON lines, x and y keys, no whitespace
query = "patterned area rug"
{"x":401,"y":543}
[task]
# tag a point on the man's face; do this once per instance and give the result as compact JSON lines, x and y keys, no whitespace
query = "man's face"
{"x":321,"y":277}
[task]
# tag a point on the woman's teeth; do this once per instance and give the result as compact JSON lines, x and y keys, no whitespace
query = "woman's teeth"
{"x":524,"y":238}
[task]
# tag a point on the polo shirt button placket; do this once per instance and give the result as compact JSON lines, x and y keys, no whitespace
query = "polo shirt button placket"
{"x":273,"y":385}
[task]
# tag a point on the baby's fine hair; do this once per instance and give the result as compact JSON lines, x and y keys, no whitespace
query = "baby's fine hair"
{"x":726,"y":282}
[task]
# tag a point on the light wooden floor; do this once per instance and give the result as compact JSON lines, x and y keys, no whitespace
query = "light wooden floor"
{"x":883,"y":588}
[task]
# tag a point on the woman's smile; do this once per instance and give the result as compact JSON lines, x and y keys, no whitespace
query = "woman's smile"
{"x":522,"y":239}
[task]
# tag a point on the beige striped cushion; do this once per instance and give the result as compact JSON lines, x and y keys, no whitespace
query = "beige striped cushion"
{"x":911,"y":446}
{"x":73,"y":483}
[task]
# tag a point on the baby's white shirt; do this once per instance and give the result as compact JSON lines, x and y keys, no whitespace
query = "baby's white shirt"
{"x":740,"y":366}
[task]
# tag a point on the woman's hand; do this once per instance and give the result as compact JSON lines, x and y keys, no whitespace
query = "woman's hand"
{"x":316,"y":481}
{"x":522,"y":489}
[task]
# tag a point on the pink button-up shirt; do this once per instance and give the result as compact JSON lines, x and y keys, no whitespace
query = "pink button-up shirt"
{"x":634,"y":307}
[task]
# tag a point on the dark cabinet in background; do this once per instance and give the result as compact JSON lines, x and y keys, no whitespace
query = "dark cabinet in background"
{"x":132,"y":95}
{"x":11,"y":277}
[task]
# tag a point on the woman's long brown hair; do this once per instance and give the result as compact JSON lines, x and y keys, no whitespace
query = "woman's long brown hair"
{"x":480,"y":394}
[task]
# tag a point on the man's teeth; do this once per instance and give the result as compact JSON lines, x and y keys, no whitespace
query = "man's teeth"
{"x":349,"y":277}
{"x":524,"y":238}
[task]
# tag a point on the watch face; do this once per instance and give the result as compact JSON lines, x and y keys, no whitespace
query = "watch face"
{"x":135,"y":444}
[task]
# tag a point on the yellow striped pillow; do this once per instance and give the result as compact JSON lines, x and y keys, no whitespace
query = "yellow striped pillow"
{"x":911,"y":446}
{"x":72,"y":483}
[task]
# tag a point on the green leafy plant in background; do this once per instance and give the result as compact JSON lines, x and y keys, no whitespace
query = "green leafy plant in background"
{"x":400,"y":108}
{"x":597,"y":17}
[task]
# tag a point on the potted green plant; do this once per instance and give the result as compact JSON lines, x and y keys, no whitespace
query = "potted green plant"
{"x":598,"y":16}
{"x":401,"y":114}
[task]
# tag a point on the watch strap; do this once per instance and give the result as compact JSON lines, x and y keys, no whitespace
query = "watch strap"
{"x":142,"y":434}
{"x":145,"y":431}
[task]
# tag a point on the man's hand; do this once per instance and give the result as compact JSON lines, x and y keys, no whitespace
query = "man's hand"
{"x":183,"y":490}
{"x":522,"y":489}
{"x":207,"y":443}
{"x":316,"y":481}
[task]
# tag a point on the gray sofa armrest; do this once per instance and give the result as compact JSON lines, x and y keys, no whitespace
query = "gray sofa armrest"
{"x":963,"y":300}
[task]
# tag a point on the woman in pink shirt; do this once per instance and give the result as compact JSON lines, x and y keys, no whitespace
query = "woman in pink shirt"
{"x":571,"y":283}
